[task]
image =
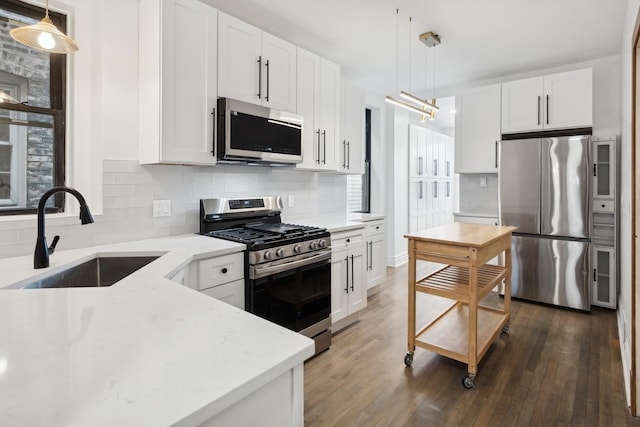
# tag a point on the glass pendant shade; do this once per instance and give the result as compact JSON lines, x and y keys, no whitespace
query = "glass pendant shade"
{"x":44,"y":36}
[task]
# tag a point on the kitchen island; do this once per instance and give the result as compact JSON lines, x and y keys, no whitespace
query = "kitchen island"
{"x":145,"y":351}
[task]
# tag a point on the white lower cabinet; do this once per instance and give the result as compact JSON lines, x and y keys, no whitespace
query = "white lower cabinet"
{"x":348,"y":287}
{"x":375,"y":265}
{"x":220,"y":277}
{"x":604,"y":292}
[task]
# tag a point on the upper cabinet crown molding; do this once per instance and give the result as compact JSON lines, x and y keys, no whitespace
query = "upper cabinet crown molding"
{"x":554,"y":101}
{"x":178,"y":81}
{"x":255,"y":66}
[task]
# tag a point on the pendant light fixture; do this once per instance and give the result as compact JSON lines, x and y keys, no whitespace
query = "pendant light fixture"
{"x":423,"y":107}
{"x":44,"y":36}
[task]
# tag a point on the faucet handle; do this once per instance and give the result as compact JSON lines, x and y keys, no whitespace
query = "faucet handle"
{"x":52,"y":248}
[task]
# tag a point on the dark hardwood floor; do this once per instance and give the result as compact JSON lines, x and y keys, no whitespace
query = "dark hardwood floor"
{"x":556,"y":367}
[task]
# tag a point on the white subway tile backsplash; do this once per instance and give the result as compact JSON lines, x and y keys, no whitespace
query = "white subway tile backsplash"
{"x":129,"y":190}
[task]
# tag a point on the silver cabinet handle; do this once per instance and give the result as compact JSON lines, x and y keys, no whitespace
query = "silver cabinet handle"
{"x":435,"y":167}
{"x":420,"y":190}
{"x":547,"y":109}
{"x":259,"y":95}
{"x":448,"y":189}
{"x":538,"y":110}
{"x":318,"y":158}
{"x":420,"y":170}
{"x":266,"y":98}
{"x":496,"y":154}
{"x":348,"y":154}
{"x":371,"y":257}
{"x":324,"y":147}
{"x":435,"y":190}
{"x":352,"y":268}
{"x":344,"y":154}
{"x":346,"y":289}
{"x":448,"y":166}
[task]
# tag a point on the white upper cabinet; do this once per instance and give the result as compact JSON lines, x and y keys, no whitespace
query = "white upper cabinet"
{"x":555,"y":101}
{"x":477,"y":130}
{"x":178,"y":81}
{"x":351,"y":147}
{"x":254,"y":66}
{"x":318,"y":101}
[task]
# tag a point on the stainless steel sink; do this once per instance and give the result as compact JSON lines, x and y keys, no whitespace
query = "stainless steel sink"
{"x":97,"y":272}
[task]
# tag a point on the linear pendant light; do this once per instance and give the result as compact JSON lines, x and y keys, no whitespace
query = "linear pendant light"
{"x":425,"y":108}
{"x":45,"y":36}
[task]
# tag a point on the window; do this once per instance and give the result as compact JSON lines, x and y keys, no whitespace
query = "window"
{"x":32,"y":120}
{"x":359,"y":186}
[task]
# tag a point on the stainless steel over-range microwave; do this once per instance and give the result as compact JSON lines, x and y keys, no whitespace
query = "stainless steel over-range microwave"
{"x":250,"y":133}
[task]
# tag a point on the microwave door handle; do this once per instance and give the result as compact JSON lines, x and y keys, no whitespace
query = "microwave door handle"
{"x":259,"y":77}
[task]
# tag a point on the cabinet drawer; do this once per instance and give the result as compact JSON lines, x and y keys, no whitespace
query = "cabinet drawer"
{"x":603,"y":205}
{"x":216,"y":271}
{"x":375,"y":228}
{"x":347,"y":239}
{"x":231,"y":293}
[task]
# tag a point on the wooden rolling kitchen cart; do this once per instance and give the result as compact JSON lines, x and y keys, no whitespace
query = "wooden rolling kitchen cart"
{"x":465,"y":330}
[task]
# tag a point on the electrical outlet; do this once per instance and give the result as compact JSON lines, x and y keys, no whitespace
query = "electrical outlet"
{"x":483,"y":182}
{"x":291,"y":202}
{"x":161,"y":208}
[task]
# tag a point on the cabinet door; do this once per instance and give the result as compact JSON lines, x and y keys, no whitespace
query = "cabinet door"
{"x":351,"y":151}
{"x":339,"y":289}
{"x":477,"y":130}
{"x":377,"y":268}
{"x":329,"y":119}
{"x":176,"y":121}
{"x":604,"y":277}
{"x":308,"y":106}
{"x":357,"y":284}
{"x":522,"y":105}
{"x":417,"y":152}
{"x":278,"y":73}
{"x":231,"y":293}
{"x":239,"y":50}
{"x":604,"y":170}
{"x":568,"y":100}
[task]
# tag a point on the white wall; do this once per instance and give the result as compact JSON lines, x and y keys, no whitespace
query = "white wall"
{"x":625,"y":302}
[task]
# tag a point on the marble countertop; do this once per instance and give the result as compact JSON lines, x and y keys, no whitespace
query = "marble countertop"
{"x":145,"y":351}
{"x":338,"y":223}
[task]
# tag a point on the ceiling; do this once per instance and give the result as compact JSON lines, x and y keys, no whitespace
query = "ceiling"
{"x":378,"y":47}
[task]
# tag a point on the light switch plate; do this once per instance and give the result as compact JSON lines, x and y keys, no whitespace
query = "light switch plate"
{"x":161,"y":208}
{"x":483,"y":182}
{"x":291,"y":202}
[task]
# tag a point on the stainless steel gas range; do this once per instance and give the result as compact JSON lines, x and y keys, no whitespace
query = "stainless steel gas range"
{"x":287,"y":266}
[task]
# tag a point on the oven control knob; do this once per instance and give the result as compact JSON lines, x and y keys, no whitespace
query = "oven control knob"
{"x":297,"y":249}
{"x":268,"y":255}
{"x":322,"y":243}
{"x":280,"y":252}
{"x":313,"y":245}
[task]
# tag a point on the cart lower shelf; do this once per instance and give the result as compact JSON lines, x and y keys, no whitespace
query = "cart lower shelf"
{"x":438,"y":337}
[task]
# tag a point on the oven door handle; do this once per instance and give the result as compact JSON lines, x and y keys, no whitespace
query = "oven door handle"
{"x":260,"y":272}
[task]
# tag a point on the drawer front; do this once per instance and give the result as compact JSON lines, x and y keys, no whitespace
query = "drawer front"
{"x":603,"y":205}
{"x":346,"y":240}
{"x":375,"y":228}
{"x":231,"y":293}
{"x":216,"y":271}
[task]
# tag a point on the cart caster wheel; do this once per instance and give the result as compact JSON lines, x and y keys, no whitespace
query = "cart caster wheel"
{"x":467,"y":381}
{"x":408,"y":359}
{"x":505,"y":329}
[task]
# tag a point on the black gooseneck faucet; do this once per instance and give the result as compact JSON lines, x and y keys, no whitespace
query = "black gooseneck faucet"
{"x":42,"y":252}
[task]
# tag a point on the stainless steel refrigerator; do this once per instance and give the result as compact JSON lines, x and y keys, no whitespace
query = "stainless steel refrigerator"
{"x":544,"y":190}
